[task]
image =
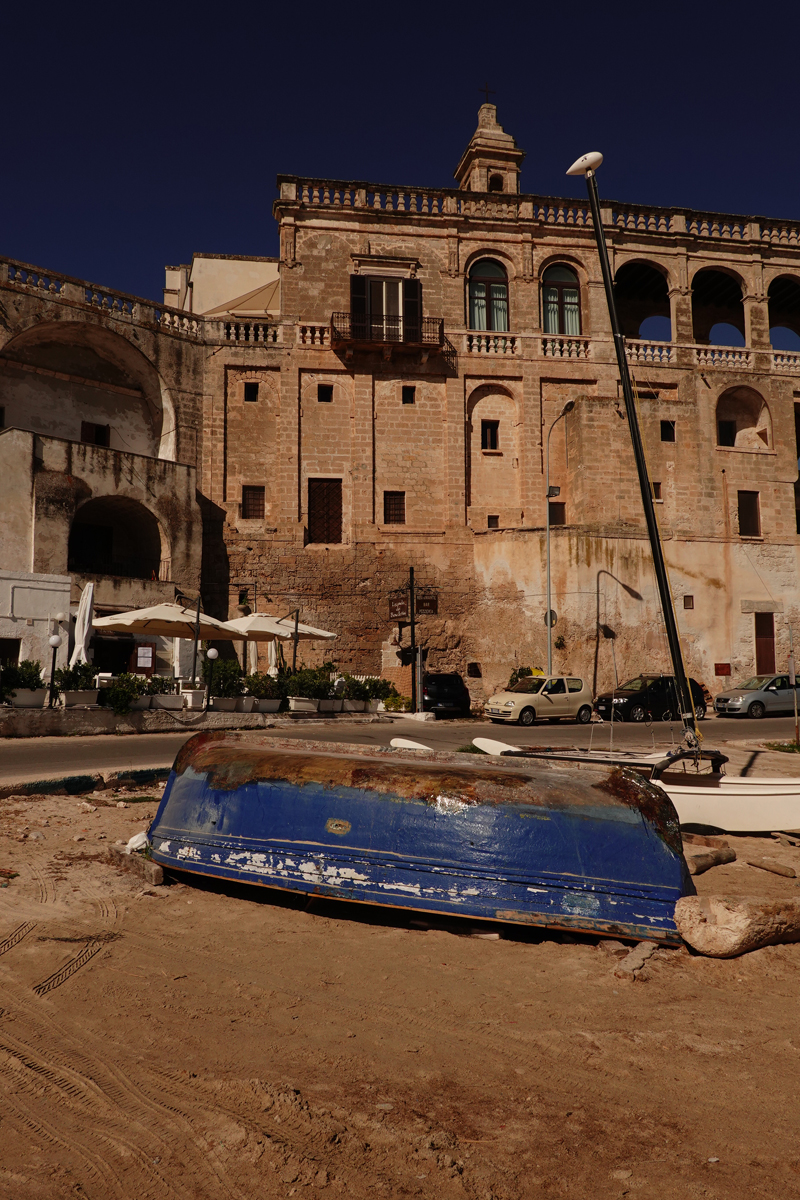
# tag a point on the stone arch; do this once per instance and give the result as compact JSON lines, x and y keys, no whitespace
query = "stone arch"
{"x":641,"y":290}
{"x":743,"y":419}
{"x":114,"y":535}
{"x":784,"y":312}
{"x":717,"y":308}
{"x":493,"y":476}
{"x":83,"y":382}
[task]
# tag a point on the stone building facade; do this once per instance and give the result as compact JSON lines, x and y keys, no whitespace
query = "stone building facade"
{"x":388,"y":399}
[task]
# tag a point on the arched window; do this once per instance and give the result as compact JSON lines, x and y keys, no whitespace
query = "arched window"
{"x":561,"y":301}
{"x":488,"y":296}
{"x":495,"y":183}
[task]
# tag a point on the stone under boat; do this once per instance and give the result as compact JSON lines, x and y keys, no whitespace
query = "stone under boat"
{"x":583,"y":847}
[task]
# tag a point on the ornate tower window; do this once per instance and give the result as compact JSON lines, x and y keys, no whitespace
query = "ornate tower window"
{"x":561,"y":301}
{"x":487,"y":296}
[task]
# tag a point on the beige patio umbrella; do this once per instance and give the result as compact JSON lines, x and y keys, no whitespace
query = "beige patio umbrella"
{"x":259,"y":627}
{"x":168,"y":620}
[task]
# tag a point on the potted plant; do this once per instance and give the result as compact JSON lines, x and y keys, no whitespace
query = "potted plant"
{"x":127,"y":692}
{"x":378,"y":690}
{"x":75,"y":684}
{"x":306,"y":688}
{"x":161,"y":693}
{"x":265,"y":690}
{"x":354,"y":694}
{"x":226,"y":683}
{"x":23,"y":684}
{"x":397,"y":703}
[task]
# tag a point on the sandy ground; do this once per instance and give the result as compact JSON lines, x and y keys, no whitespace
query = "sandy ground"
{"x":201,"y":1043}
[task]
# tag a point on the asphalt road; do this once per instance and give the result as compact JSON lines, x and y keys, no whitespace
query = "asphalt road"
{"x":47,"y":758}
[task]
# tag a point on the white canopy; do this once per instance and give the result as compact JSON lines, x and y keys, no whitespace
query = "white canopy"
{"x":260,"y":627}
{"x":167,"y":620}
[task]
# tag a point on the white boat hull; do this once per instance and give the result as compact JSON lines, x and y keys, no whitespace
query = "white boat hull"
{"x":737,"y":803}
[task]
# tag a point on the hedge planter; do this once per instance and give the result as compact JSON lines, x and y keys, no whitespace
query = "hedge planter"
{"x":268,"y":705}
{"x":223,"y":703}
{"x":173,"y":703}
{"x":141,"y":702}
{"x":372,"y":706}
{"x":246,"y":704}
{"x":302,"y":704}
{"x":337,"y":705}
{"x":71,"y":699}
{"x":327,"y":706}
{"x":29,"y":698}
{"x":353,"y":705}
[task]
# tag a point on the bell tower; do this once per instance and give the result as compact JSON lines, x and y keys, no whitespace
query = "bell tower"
{"x":492,"y":159}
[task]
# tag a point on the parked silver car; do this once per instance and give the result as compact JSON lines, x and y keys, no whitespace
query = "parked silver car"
{"x":758,"y":696}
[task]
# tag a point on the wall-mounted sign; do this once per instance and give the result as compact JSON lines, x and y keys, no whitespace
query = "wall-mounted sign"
{"x":428,"y":605}
{"x":398,"y":606}
{"x":722,"y":668}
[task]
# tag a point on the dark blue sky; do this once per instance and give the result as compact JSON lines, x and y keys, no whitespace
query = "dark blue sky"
{"x":138,"y":133}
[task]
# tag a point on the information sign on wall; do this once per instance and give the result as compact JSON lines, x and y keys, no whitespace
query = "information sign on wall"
{"x":428,"y":605}
{"x":722,"y":668}
{"x":398,"y":606}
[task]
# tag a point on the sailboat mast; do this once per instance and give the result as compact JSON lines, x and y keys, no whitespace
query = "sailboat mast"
{"x":682,"y":684}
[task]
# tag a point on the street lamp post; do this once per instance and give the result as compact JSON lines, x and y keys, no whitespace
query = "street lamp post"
{"x":212,"y":655}
{"x":568,"y":407}
{"x":55,"y":642}
{"x":586,"y":165}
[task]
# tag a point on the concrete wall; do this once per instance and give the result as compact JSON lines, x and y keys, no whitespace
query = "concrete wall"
{"x":29,"y":604}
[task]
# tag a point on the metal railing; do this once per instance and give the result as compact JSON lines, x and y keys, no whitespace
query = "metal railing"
{"x":385,"y":330}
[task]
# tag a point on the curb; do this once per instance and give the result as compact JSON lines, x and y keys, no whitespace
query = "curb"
{"x":75,"y":785}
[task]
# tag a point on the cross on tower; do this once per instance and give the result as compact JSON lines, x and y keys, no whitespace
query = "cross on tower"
{"x":487,"y":92}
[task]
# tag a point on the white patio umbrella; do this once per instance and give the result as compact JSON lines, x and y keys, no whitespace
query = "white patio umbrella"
{"x":168,"y":620}
{"x":260,"y":627}
{"x":83,"y":626}
{"x":273,"y":668}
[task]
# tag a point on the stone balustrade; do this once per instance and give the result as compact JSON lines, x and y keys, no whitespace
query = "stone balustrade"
{"x":715,"y":226}
{"x":642,"y":220}
{"x":259,"y":333}
{"x":314,"y":335}
{"x":780,"y":233}
{"x":714,"y":357}
{"x":114,"y":303}
{"x":490,"y":343}
{"x":660,"y":354}
{"x":565,"y":347}
{"x":34,"y":280}
{"x":562,"y":212}
{"x":786,"y":360}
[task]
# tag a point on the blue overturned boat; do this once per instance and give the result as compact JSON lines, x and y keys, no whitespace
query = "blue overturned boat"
{"x":585,"y":848}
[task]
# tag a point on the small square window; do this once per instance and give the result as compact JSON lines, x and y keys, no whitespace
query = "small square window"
{"x":493,"y":522}
{"x":558,"y":512}
{"x":409,"y":394}
{"x":489,"y":435}
{"x":394,"y":508}
{"x":252,"y":503}
{"x":668,"y":431}
{"x":250,"y":393}
{"x":688,"y":601}
{"x":656,"y":490}
{"x":95,"y":435}
{"x":325,"y":393}
{"x":726,"y":433}
{"x":474,"y":670}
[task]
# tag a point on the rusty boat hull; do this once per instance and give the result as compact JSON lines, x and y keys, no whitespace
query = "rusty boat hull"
{"x":594,"y":849}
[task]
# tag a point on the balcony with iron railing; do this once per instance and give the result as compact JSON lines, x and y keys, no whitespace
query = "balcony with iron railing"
{"x":386,"y":330}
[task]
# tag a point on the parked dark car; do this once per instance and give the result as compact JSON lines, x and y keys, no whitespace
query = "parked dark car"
{"x":445,"y":693}
{"x":648,"y":697}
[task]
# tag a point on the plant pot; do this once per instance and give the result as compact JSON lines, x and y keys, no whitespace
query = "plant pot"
{"x":372,"y":706}
{"x":353,"y":705}
{"x":246,"y":704}
{"x":70,"y":699}
{"x":327,"y":706}
{"x":269,"y":705}
{"x":337,"y":705}
{"x":30,"y":698}
{"x":224,"y":703}
{"x":173,"y":703}
{"x":194,"y":698}
{"x":141,"y":702}
{"x":303,"y":704}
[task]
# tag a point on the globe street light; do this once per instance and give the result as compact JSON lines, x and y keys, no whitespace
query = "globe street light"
{"x":586,"y":165}
{"x":212,"y":655}
{"x":548,"y":616}
{"x":55,"y":642}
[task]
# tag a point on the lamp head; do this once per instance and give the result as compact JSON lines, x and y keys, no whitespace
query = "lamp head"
{"x":568,"y":407}
{"x":60,"y":617}
{"x":586,"y":162}
{"x":212,"y":654}
{"x":55,"y":641}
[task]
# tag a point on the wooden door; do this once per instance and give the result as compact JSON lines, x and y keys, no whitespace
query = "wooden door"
{"x":765,"y":643}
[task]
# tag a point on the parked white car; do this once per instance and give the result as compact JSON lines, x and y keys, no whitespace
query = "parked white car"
{"x":542,"y":698}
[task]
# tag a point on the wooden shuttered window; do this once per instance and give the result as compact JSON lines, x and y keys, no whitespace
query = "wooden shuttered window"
{"x":412,"y":310}
{"x":325,"y":510}
{"x":358,"y":307}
